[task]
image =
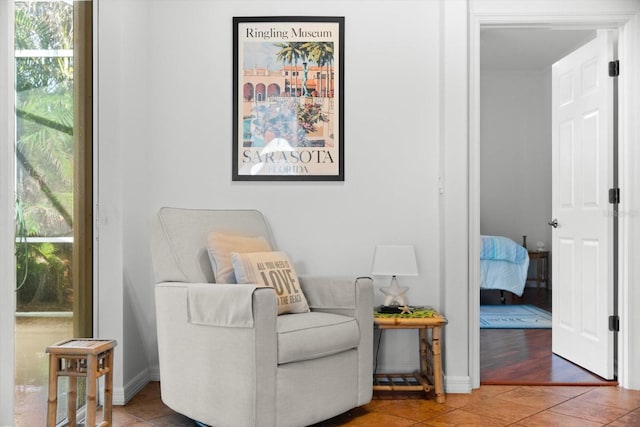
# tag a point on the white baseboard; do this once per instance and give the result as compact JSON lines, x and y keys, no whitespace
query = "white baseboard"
{"x":455,"y":385}
{"x":461,"y":385}
{"x":121,"y":395}
{"x":154,"y":373}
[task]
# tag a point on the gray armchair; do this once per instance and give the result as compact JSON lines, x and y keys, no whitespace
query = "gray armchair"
{"x":247,"y":366}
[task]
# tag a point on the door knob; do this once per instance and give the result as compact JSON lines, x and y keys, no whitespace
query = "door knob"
{"x":553,"y":223}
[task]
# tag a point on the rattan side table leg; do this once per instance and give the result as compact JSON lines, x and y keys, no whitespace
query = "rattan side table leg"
{"x":437,"y":365}
{"x":92,"y":369}
{"x":73,"y":394}
{"x":108,"y":389}
{"x":52,"y":405}
{"x":424,"y":353}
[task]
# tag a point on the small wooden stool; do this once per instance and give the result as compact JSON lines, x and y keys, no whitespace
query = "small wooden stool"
{"x":90,"y":358}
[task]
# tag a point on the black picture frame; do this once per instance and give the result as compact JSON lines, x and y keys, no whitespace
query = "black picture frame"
{"x":288,"y":98}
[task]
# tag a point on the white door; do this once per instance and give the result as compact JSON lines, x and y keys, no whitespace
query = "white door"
{"x":582,"y":167}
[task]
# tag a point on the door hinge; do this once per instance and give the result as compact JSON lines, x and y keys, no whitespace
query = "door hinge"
{"x":614,"y":68}
{"x":614,"y":195}
{"x":614,"y":323}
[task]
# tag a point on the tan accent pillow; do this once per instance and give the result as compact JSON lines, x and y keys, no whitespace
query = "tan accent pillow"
{"x":274,"y":270}
{"x":220,"y":246}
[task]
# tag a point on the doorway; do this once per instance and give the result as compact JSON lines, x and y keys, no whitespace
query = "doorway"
{"x":529,"y":15}
{"x":515,"y":183}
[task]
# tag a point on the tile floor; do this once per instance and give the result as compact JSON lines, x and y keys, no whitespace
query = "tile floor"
{"x":488,"y":406}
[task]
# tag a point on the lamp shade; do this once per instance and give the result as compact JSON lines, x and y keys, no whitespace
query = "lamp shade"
{"x":394,"y":260}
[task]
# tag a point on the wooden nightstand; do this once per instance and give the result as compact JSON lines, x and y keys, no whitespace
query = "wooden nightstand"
{"x":541,"y":259}
{"x":429,"y":376}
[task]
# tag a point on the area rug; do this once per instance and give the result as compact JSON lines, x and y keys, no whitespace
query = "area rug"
{"x":514,"y":316}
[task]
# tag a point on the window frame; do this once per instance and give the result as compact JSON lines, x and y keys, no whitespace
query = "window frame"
{"x":7,"y":212}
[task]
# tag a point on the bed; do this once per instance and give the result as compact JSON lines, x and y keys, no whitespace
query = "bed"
{"x":503,"y":265}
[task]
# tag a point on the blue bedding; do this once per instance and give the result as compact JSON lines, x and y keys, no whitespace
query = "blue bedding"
{"x":503,"y":265}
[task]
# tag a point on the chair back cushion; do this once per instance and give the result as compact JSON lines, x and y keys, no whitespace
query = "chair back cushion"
{"x":179,"y":240}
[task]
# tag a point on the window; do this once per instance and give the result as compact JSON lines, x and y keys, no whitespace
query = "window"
{"x":53,"y":186}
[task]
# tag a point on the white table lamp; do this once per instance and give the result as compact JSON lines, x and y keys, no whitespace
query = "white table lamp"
{"x":394,"y":260}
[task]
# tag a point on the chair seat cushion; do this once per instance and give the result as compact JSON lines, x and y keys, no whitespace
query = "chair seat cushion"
{"x":306,"y":336}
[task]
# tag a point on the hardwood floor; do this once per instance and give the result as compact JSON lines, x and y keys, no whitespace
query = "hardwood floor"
{"x":524,"y":357}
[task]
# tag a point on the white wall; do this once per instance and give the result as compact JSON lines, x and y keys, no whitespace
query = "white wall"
{"x":164,"y":133}
{"x":515,"y":134}
{"x":454,"y":194}
{"x":165,"y":140}
{"x":123,"y":188}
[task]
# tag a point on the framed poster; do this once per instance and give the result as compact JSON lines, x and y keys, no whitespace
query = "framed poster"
{"x":288,"y":98}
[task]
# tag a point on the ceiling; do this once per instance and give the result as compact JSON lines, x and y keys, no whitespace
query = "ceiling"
{"x":528,"y":48}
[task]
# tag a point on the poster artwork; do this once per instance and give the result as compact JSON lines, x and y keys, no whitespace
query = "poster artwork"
{"x":288,"y":109}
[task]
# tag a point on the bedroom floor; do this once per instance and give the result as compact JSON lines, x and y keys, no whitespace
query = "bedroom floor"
{"x":523,"y":356}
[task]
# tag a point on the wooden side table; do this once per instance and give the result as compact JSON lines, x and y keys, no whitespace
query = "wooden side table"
{"x":90,"y":358}
{"x":541,"y":259}
{"x":429,"y":376}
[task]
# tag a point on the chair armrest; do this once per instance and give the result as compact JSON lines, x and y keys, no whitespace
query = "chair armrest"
{"x":195,"y":358}
{"x":219,"y":305}
{"x":341,"y":295}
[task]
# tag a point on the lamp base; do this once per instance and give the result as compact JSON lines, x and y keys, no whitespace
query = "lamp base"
{"x":394,"y":294}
